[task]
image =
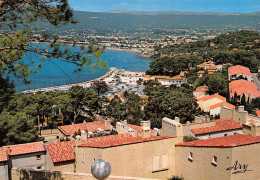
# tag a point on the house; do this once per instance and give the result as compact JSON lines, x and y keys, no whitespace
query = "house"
{"x":200,"y":73}
{"x":228,"y":157}
{"x":205,"y":65}
{"x":236,"y":71}
{"x":240,"y":87}
{"x":3,"y":165}
{"x":206,"y":102}
{"x":211,"y":68}
{"x":29,"y":156}
{"x":215,"y":108}
{"x":205,"y":129}
{"x":214,"y":128}
{"x":90,"y":128}
{"x":62,"y":155}
{"x":200,"y":91}
{"x":167,"y":80}
{"x":128,"y":155}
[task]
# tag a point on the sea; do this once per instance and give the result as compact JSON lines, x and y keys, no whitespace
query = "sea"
{"x":62,"y":73}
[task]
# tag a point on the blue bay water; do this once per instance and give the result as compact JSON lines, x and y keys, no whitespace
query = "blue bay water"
{"x":50,"y":75}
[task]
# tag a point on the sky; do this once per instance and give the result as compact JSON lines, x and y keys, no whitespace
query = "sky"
{"x":223,"y":6}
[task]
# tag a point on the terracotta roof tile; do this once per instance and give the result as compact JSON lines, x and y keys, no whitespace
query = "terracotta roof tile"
{"x":3,"y":155}
{"x":201,"y":89}
{"x":211,"y":67}
{"x":226,"y":141}
{"x":205,"y":98}
{"x":243,"y":87}
{"x":258,"y":113}
{"x":117,"y":140}
{"x":221,"y":125}
{"x":135,"y":127}
{"x":90,"y":127}
{"x":239,"y":70}
{"x":231,"y":106}
{"x":201,"y":72}
{"x":27,"y":148}
{"x":62,"y":151}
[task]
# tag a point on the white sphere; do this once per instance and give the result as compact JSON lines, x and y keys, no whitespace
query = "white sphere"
{"x":101,"y":169}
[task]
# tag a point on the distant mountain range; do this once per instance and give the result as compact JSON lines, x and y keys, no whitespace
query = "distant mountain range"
{"x":156,"y":22}
{"x":118,"y":11}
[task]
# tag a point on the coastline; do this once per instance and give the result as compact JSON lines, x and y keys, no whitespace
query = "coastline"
{"x":128,"y":50}
{"x":110,"y":48}
{"x":66,"y":87}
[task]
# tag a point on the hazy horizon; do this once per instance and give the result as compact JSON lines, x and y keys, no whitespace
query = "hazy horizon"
{"x":202,"y":6}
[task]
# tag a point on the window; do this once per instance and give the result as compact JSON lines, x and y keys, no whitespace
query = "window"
{"x":38,"y":157}
{"x":214,"y":161}
{"x":225,"y":134}
{"x":164,"y":161}
{"x":155,"y":162}
{"x":39,"y":167}
{"x":190,"y":158}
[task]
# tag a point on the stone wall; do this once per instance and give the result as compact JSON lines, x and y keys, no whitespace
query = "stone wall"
{"x":23,"y":174}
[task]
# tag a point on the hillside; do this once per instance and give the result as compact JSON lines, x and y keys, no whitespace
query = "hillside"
{"x":104,"y":22}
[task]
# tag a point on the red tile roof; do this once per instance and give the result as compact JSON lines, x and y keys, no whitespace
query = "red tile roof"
{"x":201,"y":89}
{"x":239,"y":70}
{"x":212,"y":67}
{"x":226,"y":141}
{"x":3,"y":155}
{"x":27,"y":148}
{"x":205,"y":98}
{"x":135,"y":127}
{"x":90,"y":127}
{"x":243,"y":87}
{"x":221,"y":125}
{"x":231,"y":106}
{"x":258,"y":113}
{"x":62,"y":151}
{"x":118,"y":140}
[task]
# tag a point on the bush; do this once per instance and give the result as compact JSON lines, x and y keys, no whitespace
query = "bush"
{"x":176,"y":178}
{"x":189,"y":138}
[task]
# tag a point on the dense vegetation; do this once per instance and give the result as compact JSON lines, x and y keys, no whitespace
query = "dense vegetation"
{"x":19,"y":113}
{"x":237,"y":48}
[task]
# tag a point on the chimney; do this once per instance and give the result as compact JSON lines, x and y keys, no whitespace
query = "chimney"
{"x":197,"y":119}
{"x":120,"y":128}
{"x":131,"y":131}
{"x":9,"y":150}
{"x":84,"y":135}
{"x":146,"y":124}
{"x":156,"y":132}
{"x":207,"y":118}
{"x":78,"y":140}
{"x":177,"y":119}
{"x":100,"y":130}
{"x":146,"y":129}
{"x":108,"y":123}
{"x":90,"y":134}
{"x":241,"y":109}
{"x":146,"y":132}
{"x":71,"y":137}
{"x":171,"y":127}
